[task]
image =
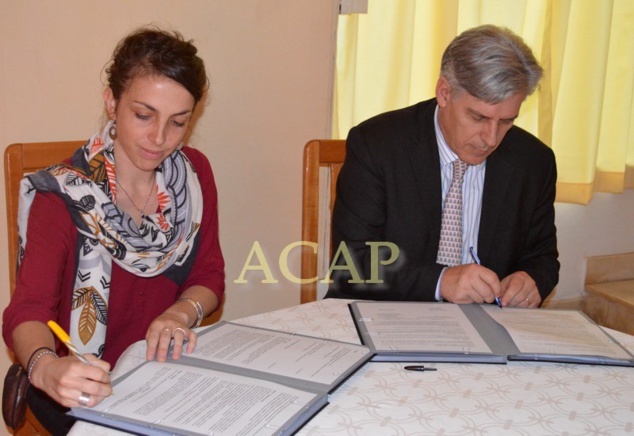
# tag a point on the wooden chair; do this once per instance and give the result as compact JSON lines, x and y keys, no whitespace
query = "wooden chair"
{"x":20,"y":160}
{"x":319,"y":153}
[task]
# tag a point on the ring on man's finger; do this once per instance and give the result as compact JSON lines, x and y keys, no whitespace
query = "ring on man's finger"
{"x":179,"y":329}
{"x":528,"y":301}
{"x":84,"y":398}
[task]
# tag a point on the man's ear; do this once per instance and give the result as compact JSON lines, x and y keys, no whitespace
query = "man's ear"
{"x":110,"y":102}
{"x":443,"y":91}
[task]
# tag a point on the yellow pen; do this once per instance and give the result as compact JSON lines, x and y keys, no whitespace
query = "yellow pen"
{"x":63,"y":336}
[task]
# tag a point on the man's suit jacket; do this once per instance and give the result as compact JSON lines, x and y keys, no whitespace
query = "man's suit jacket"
{"x":389,"y":189}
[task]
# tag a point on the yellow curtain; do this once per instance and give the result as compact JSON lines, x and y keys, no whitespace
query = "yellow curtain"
{"x":390,"y":58}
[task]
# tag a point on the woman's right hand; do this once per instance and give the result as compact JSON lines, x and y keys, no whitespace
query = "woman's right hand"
{"x":66,"y":379}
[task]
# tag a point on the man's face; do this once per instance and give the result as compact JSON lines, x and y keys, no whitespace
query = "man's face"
{"x":472,"y":128}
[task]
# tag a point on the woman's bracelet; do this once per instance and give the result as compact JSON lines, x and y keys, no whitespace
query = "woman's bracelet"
{"x":28,"y":363}
{"x":199,"y":310}
{"x":44,"y":351}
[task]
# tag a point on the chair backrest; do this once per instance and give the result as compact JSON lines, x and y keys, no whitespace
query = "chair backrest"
{"x":319,"y":153}
{"x":20,"y":160}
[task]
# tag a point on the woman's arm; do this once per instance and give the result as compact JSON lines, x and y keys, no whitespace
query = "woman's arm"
{"x":204,"y":286}
{"x":177,"y":323}
{"x":63,"y":379}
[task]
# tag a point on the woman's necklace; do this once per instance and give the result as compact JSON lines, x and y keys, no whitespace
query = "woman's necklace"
{"x":147,"y":200}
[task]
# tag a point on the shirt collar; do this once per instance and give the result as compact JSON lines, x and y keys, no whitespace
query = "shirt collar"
{"x":446,"y":155}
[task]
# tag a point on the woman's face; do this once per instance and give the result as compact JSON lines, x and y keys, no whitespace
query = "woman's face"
{"x":152,"y":118}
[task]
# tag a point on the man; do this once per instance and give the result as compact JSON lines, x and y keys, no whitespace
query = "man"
{"x":397,"y":177}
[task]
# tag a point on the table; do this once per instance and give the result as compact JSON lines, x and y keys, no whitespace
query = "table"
{"x":521,"y":398}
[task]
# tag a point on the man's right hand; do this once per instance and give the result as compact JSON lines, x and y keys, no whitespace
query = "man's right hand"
{"x":470,"y":283}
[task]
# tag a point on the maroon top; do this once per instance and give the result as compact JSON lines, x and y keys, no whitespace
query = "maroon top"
{"x":47,"y":272}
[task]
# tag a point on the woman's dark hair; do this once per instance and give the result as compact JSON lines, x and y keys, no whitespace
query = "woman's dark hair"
{"x":156,"y":52}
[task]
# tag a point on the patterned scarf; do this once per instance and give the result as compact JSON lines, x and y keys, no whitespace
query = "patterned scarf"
{"x":161,"y":245}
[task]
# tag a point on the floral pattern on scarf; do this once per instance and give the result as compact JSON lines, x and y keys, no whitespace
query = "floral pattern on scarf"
{"x":162,"y":243}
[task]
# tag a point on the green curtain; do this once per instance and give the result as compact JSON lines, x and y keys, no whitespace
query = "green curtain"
{"x":584,"y":109}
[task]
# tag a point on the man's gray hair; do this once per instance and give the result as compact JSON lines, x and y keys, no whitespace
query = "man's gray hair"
{"x":490,"y":63}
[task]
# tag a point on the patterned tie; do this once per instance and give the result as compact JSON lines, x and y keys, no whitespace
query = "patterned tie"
{"x":450,"y":248}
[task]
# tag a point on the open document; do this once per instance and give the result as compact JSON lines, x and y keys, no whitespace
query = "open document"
{"x":434,"y":332}
{"x":240,"y":380}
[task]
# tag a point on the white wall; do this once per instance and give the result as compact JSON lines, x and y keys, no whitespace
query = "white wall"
{"x":604,"y":226}
{"x":270,"y":64}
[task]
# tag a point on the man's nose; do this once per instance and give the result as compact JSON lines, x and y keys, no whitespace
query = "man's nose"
{"x":489,"y":133}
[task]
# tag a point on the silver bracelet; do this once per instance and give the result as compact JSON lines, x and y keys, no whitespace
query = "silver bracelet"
{"x":199,"y":311}
{"x":42,"y":353}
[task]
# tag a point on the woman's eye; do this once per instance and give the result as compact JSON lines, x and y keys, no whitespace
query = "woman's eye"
{"x":142,"y":117}
{"x":178,"y":124}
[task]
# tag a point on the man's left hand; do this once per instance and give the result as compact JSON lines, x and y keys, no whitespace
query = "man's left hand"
{"x":520,"y":290}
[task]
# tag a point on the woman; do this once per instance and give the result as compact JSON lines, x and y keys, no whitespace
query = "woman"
{"x":120,"y":243}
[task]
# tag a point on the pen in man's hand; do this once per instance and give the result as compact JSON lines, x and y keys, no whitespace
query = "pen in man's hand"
{"x":63,"y":336}
{"x":476,"y":259}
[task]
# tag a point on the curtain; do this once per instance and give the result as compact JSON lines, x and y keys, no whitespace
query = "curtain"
{"x":584,"y":109}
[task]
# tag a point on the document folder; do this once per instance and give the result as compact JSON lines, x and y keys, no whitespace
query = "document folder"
{"x":446,"y":332}
{"x":239,"y":380}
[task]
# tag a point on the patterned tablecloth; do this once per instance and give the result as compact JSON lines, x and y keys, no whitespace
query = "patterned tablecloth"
{"x":522,"y":398}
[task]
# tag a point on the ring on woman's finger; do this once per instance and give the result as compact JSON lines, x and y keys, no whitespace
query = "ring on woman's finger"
{"x":528,"y":301}
{"x":179,"y":329}
{"x":166,"y":330}
{"x":84,"y":398}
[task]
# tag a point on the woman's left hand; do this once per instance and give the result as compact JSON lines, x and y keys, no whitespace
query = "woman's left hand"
{"x":162,"y":331}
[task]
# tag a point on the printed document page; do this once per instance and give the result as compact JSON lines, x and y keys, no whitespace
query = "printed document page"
{"x":556,"y":332}
{"x":420,"y":327}
{"x":302,"y":357}
{"x":188,"y":400}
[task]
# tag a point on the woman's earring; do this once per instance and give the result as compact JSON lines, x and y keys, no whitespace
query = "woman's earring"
{"x":112,"y":131}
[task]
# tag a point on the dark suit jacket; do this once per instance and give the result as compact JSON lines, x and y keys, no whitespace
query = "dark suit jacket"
{"x":389,"y":189}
